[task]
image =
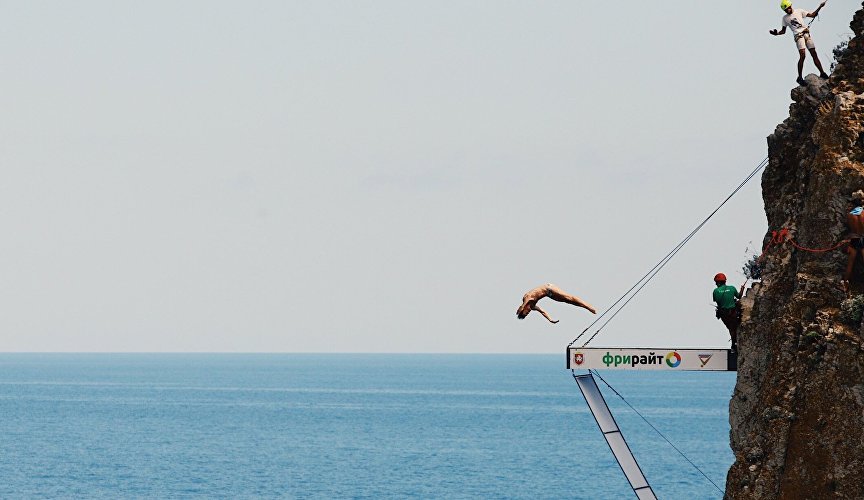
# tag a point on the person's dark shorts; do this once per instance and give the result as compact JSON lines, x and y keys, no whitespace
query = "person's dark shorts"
{"x":730,"y":317}
{"x":857,"y":243}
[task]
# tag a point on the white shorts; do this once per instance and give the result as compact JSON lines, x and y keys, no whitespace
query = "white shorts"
{"x":804,"y":41}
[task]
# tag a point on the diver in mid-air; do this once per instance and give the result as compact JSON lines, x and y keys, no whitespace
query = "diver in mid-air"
{"x":530,"y":299}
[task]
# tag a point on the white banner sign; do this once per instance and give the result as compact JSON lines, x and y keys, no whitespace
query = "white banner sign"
{"x":617,"y":358}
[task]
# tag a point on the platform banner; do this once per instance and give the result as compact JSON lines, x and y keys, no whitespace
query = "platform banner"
{"x":620,"y":358}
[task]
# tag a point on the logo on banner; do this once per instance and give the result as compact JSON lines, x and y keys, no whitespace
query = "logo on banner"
{"x":704,"y":358}
{"x":579,"y":358}
{"x":673,"y":359}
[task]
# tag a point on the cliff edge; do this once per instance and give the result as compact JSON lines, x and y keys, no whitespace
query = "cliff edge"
{"x":797,"y":412}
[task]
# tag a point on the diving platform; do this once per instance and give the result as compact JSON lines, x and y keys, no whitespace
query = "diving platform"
{"x":623,"y":358}
{"x":614,"y":438}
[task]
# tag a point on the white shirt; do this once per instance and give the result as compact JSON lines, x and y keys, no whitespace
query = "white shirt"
{"x":795,"y":20}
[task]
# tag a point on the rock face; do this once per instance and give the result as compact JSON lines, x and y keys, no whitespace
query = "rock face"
{"x":797,"y":413}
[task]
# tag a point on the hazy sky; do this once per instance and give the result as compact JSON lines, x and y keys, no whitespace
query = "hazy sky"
{"x":380,"y":176}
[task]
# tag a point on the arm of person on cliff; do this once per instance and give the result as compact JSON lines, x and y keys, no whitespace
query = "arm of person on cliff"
{"x":741,"y":290}
{"x":816,"y":12}
{"x":778,"y":32}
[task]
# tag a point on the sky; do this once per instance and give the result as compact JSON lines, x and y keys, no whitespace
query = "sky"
{"x":382,"y":176}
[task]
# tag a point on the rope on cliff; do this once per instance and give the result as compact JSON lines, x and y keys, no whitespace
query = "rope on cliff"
{"x":655,"y":429}
{"x":783,"y":236}
{"x":777,"y":238}
{"x":661,"y":264}
{"x":816,"y":250}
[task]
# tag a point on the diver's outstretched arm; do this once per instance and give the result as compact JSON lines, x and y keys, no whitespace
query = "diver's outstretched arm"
{"x":541,"y":311}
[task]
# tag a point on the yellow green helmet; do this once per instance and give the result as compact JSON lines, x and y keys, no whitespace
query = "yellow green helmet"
{"x":785,"y":4}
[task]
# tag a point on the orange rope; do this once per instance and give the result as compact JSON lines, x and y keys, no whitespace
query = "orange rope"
{"x":777,"y":238}
{"x":783,"y":236}
{"x":817,"y":250}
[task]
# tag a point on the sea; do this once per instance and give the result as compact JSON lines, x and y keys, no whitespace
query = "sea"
{"x":348,"y":426}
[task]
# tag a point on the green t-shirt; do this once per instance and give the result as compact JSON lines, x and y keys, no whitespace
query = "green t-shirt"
{"x":725,"y":296}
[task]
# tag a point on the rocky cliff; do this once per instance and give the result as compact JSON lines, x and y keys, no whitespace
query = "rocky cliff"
{"x":797,"y":413}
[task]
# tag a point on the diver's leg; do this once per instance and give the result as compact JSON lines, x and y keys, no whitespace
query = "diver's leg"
{"x":560,"y":295}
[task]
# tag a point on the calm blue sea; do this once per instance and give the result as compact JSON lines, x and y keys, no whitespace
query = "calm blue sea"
{"x":345,"y":426}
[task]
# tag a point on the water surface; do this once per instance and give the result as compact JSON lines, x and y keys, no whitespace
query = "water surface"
{"x":345,"y":426}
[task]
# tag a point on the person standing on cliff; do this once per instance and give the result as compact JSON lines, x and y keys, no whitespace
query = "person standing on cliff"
{"x":855,"y":221}
{"x":794,"y":18}
{"x":728,"y":307}
{"x":530,"y":299}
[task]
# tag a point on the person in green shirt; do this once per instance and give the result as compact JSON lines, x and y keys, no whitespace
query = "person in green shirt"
{"x":728,"y":308}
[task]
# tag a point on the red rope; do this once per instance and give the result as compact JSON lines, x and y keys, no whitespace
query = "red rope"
{"x":783,"y":236}
{"x":817,"y":250}
{"x":777,"y":238}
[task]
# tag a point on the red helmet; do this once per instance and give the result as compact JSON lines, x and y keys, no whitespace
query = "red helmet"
{"x":720,"y":277}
